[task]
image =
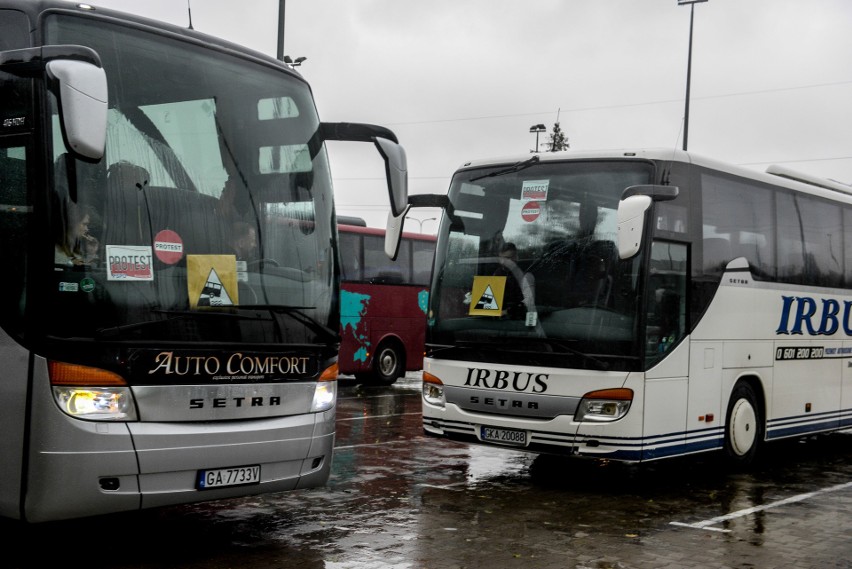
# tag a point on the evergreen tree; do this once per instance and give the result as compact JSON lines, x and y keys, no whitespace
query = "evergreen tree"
{"x":558,"y":140}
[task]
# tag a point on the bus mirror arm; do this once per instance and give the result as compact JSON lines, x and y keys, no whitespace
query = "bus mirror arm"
{"x":441,"y":201}
{"x":655,"y":192}
{"x":396,"y":166}
{"x":430,"y":200}
{"x":393,"y":232}
{"x":395,"y":224}
{"x":32,"y":60}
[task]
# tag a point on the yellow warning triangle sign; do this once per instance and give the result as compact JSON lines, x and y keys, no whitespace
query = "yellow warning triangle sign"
{"x":487,"y":295}
{"x":212,"y":280}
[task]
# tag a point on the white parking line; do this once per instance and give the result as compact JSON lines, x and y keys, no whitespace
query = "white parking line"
{"x":705,"y":524}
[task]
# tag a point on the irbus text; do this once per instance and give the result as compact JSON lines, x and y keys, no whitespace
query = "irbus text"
{"x":805,"y":316}
{"x":502,"y":379}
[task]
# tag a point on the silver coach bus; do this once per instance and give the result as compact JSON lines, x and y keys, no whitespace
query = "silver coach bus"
{"x":181,"y":344}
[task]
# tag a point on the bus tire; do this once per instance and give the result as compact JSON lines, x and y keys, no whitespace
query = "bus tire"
{"x":388,"y":364}
{"x":743,"y":425}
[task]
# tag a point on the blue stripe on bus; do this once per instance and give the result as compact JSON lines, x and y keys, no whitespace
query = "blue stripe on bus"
{"x":671,"y":444}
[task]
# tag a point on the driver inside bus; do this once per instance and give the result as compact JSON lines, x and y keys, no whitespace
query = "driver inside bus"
{"x":74,"y":244}
{"x":519,"y":293}
{"x":244,"y":241}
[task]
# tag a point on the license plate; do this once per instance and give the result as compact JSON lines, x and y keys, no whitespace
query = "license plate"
{"x":224,"y":477}
{"x":505,"y":436}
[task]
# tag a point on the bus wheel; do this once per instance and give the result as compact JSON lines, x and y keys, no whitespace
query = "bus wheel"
{"x":387,"y":364}
{"x":744,"y":425}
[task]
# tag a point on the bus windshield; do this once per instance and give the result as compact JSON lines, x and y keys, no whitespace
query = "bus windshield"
{"x":209,"y":218}
{"x":531,"y":267}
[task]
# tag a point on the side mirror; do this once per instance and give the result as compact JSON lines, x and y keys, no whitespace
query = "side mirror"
{"x":396,"y":170}
{"x":82,"y":91}
{"x":631,"y":224}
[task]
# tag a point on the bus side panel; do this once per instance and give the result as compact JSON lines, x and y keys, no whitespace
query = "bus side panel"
{"x":373,"y":313}
{"x":769,"y":336}
{"x":705,"y":418}
{"x":666,"y":393}
{"x":410,"y":330}
{"x":13,"y":394}
{"x":846,"y":391}
{"x":806,"y":393}
{"x":355,"y":345}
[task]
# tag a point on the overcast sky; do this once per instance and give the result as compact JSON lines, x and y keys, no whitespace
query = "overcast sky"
{"x":462,"y":79}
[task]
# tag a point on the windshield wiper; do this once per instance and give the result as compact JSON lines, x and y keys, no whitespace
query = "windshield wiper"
{"x":508,"y":341}
{"x":173,"y":315}
{"x":516,"y":167}
{"x":561,"y":344}
{"x":296,"y":313}
{"x":228,"y":312}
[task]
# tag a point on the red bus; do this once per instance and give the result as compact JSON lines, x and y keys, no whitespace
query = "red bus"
{"x":382,"y":303}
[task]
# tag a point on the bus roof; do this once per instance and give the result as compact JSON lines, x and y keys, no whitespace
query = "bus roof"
{"x":35,"y":8}
{"x":774,"y":175}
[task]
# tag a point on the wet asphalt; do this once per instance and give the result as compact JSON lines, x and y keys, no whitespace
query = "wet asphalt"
{"x":397,"y":498}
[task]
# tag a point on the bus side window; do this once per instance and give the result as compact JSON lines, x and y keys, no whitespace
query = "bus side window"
{"x":14,"y":220}
{"x":717,"y":254}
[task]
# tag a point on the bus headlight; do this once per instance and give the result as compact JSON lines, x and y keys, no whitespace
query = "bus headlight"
{"x":433,"y":390}
{"x":96,"y":403}
{"x":604,"y":405}
{"x":325,"y":392}
{"x":91,"y":393}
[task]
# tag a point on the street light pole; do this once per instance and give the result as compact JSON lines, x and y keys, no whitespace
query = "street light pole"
{"x":537,"y":128}
{"x":421,"y":221}
{"x":281,"y":30}
{"x":688,"y":67}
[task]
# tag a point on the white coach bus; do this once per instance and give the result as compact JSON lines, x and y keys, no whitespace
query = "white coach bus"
{"x":170,"y":315}
{"x":638,"y":305}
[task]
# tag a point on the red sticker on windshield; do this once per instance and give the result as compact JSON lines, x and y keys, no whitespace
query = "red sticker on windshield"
{"x":531,"y":211}
{"x":168,"y":246}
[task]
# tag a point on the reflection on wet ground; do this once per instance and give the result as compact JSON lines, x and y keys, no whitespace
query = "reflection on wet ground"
{"x":399,"y":499}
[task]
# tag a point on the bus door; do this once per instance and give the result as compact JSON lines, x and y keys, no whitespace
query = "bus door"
{"x":666,"y":381}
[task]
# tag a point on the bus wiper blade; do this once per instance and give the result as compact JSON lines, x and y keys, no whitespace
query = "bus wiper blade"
{"x":602,"y":365}
{"x":508,"y":342}
{"x":516,"y":167}
{"x":296,"y":313}
{"x":173,"y":315}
